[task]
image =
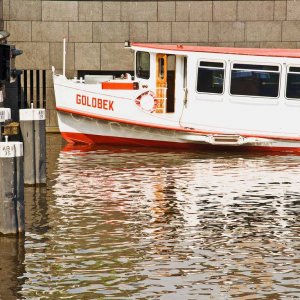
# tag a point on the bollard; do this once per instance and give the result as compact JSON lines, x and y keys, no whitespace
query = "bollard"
{"x":5,"y":114}
{"x":11,"y":188}
{"x":33,"y":131}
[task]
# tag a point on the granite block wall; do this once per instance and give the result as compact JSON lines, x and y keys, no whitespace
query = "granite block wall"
{"x":96,"y":30}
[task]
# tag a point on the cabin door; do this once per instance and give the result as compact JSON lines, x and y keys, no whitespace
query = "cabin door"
{"x":165,"y":83}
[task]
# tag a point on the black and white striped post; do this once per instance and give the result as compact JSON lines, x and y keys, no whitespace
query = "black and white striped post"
{"x":12,"y":220}
{"x":33,"y":132}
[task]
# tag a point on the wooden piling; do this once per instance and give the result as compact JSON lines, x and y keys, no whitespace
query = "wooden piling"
{"x":33,"y":132}
{"x":11,"y":188}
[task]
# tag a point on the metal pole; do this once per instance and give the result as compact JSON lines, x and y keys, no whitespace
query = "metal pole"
{"x":64,"y":57}
{"x":37,"y":83}
{"x":44,"y":89}
{"x":25,"y":90}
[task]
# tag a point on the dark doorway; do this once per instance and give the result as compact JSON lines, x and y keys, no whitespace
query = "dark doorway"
{"x":171,"y":84}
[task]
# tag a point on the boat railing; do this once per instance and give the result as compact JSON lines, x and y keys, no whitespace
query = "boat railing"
{"x":161,"y":97}
{"x":78,"y":80}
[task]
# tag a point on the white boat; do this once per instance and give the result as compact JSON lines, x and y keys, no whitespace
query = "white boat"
{"x":186,"y":97}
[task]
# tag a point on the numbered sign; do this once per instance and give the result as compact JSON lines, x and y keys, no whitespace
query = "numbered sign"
{"x":7,"y":151}
{"x":2,"y":116}
{"x":11,"y":149}
{"x":5,"y":114}
{"x":34,"y":114}
{"x":39,"y":114}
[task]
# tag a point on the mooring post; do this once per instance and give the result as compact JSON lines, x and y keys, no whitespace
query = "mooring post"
{"x":11,"y":188}
{"x":33,"y":131}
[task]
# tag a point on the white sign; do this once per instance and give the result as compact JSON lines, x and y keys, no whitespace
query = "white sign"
{"x":2,"y":116}
{"x":32,"y":114}
{"x":11,"y":149}
{"x":40,"y":114}
{"x":5,"y":114}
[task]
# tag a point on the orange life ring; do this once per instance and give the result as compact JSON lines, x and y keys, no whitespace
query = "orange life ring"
{"x":147,"y":101}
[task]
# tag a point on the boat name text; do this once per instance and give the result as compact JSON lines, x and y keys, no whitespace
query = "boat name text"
{"x":95,"y":102}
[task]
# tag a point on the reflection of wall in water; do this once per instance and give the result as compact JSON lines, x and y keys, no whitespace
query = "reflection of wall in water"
{"x":36,"y":208}
{"x":37,"y":199}
{"x":12,"y":255}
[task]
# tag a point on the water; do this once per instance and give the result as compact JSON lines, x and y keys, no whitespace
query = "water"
{"x":135,"y":223}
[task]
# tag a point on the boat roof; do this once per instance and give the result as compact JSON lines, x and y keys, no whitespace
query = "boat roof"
{"x":292,"y":53}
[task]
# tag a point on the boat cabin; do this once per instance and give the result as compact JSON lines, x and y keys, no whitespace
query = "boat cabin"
{"x":228,"y":88}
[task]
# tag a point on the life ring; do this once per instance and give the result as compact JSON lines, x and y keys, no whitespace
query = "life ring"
{"x":147,"y":101}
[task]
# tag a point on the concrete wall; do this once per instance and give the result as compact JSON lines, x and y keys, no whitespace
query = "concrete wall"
{"x":96,"y":30}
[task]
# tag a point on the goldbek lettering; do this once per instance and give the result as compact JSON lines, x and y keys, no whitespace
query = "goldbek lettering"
{"x":95,"y":102}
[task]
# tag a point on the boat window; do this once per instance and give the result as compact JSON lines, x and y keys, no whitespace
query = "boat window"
{"x":143,"y":64}
{"x":256,"y":67}
{"x":293,"y":83}
{"x":255,"y":80}
{"x":295,"y":69}
{"x":211,"y":64}
{"x":161,"y":68}
{"x":185,"y":72}
{"x":210,"y":77}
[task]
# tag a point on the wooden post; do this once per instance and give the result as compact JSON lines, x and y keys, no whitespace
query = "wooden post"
{"x":33,"y":132}
{"x":11,"y":188}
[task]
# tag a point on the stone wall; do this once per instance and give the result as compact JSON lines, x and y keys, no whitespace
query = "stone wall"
{"x":96,"y":30}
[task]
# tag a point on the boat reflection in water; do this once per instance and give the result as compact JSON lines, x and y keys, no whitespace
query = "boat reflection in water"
{"x":136,"y":223}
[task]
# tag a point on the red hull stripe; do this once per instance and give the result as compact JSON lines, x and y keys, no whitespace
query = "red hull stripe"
{"x":179,"y":129}
{"x":109,"y":140}
{"x":90,"y":139}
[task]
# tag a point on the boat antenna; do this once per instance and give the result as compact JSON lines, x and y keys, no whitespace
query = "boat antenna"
{"x":64,"y":57}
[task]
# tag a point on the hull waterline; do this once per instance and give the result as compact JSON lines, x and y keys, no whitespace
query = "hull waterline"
{"x":85,"y":130}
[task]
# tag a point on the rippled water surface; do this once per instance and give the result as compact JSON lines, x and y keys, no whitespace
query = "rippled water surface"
{"x":135,"y":223}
